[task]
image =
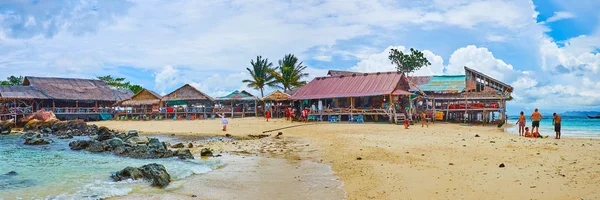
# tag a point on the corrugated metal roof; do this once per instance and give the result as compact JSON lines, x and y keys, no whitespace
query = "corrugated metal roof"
{"x":418,"y":81}
{"x":451,"y":83}
{"x":20,"y":92}
{"x":368,"y":84}
{"x":76,"y":89}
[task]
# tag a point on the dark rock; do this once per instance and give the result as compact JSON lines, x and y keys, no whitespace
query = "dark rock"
{"x":113,"y":143}
{"x":104,"y":134}
{"x":492,"y":141}
{"x":37,"y":140}
{"x":128,"y":173}
{"x":95,"y":147}
{"x":193,"y":195}
{"x":450,"y":163}
{"x":138,"y":140}
{"x":183,"y":154}
{"x":178,"y":146}
{"x":120,"y":151}
{"x":227,"y":135}
{"x":6,"y":127}
{"x":132,"y":133}
{"x":501,"y":165}
{"x":11,"y":173}
{"x":29,"y":134}
{"x":190,"y":145}
{"x":154,"y":143}
{"x":79,"y":144}
{"x":62,"y":137}
{"x":258,"y":136}
{"x":206,"y":152}
{"x":46,"y":130}
{"x":121,"y":136}
{"x":476,"y":135}
{"x":156,"y":174}
{"x":358,"y":158}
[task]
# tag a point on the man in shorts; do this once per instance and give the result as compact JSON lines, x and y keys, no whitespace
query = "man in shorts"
{"x":556,"y":121}
{"x":535,"y":117}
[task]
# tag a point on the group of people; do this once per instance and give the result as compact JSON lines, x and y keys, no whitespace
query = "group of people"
{"x":291,"y":113}
{"x":535,"y":118}
{"x":423,"y":120}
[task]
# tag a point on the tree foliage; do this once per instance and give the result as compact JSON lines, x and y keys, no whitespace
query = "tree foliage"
{"x":289,"y":73}
{"x":261,"y":73}
{"x":408,"y":63}
{"x":120,"y":83}
{"x":12,"y":80}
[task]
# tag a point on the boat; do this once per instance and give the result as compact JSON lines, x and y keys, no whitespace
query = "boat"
{"x":593,"y":117}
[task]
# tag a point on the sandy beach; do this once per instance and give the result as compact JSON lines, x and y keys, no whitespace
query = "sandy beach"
{"x":384,"y":161}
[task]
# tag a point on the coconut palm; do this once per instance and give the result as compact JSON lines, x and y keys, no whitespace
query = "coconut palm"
{"x":261,"y":74}
{"x":289,"y":73}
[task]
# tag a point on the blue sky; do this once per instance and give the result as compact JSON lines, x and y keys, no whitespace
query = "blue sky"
{"x":548,"y":50}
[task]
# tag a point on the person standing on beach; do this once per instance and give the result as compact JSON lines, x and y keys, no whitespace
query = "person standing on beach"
{"x":535,"y":117}
{"x":268,"y":115}
{"x":556,"y":121}
{"x":521,"y":124}
{"x":224,"y":122}
{"x":424,"y":120}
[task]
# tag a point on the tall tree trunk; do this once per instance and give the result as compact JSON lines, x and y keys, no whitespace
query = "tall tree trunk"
{"x":262,"y":95}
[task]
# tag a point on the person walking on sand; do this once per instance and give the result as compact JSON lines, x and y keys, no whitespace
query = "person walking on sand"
{"x":521,"y":124}
{"x":287,"y":114}
{"x":535,"y":117}
{"x":224,"y":122}
{"x":556,"y":121}
{"x":424,"y":120}
{"x":268,"y":115}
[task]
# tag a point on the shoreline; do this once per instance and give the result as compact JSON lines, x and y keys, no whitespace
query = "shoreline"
{"x":443,"y":161}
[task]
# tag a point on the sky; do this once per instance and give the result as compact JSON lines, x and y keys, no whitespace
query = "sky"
{"x":548,"y":50}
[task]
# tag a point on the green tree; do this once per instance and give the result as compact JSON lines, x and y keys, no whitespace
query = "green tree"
{"x":261,"y":74}
{"x":120,"y":83}
{"x":13,"y":80}
{"x":135,"y":88}
{"x":289,"y":73}
{"x":408,"y":63}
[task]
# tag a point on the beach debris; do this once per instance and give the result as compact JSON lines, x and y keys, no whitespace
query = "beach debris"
{"x":422,"y":154}
{"x":194,"y":196}
{"x":154,"y":173}
{"x":227,"y":135}
{"x":206,"y":152}
{"x":501,"y":165}
{"x":493,"y":141}
{"x":37,"y":139}
{"x":450,"y":163}
{"x":190,"y":145}
{"x":278,"y":135}
{"x":533,"y":186}
{"x":476,"y":135}
{"x":11,"y":173}
{"x":178,"y":146}
{"x":358,"y":158}
{"x":258,"y":136}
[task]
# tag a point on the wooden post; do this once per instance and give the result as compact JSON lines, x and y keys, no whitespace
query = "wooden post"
{"x":53,"y":106}
{"x":232,"y":109}
{"x":433,"y":116}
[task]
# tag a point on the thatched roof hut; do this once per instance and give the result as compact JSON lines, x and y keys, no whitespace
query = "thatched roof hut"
{"x":277,"y":96}
{"x":144,"y":97}
{"x":186,"y":94}
{"x":20,"y":92}
{"x":76,"y":89}
{"x":238,"y":96}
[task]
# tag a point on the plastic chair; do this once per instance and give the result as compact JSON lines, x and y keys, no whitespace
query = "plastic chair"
{"x":332,"y":119}
{"x":360,"y":119}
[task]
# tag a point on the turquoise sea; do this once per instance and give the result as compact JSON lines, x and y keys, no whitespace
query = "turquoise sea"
{"x":579,"y":127}
{"x":56,"y":172}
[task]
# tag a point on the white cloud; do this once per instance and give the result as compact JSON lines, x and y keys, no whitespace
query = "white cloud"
{"x":560,"y":16}
{"x":379,"y":62}
{"x":166,"y":78}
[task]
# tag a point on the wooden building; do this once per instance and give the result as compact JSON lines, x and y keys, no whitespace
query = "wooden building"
{"x":277,"y":102}
{"x":68,"y":98}
{"x":238,"y":103}
{"x":187,"y":102}
{"x":144,"y":104}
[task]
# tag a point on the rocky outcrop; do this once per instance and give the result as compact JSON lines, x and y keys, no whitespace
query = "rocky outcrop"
{"x":37,"y":139}
{"x":11,"y":173}
{"x":6,"y":127}
{"x":128,"y":145}
{"x":154,"y":173}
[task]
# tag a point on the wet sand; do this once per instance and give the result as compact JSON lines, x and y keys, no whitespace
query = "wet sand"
{"x":383,"y":161}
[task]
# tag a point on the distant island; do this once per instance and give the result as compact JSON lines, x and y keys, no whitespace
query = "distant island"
{"x":581,"y":113}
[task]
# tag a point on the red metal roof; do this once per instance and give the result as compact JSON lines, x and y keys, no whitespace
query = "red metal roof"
{"x":356,"y":85}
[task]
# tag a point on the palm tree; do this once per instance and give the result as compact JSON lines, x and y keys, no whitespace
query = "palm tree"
{"x":261,"y":74}
{"x":289,"y":73}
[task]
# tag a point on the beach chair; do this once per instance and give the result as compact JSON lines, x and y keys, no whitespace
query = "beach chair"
{"x":351,"y":119}
{"x":174,"y":117}
{"x":212,"y":116}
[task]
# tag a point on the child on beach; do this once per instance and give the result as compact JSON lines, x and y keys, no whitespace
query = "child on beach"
{"x":287,"y":114}
{"x":424,"y":120}
{"x":521,"y":124}
{"x":268,"y":115}
{"x":224,"y":122}
{"x":527,"y":133}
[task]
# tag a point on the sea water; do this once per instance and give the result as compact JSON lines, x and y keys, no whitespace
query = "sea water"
{"x":55,"y":171}
{"x":580,"y":127}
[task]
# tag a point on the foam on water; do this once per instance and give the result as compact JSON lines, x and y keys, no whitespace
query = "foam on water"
{"x":56,"y":172}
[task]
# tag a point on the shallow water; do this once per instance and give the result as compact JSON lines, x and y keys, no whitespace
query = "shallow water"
{"x":578,"y":127}
{"x":55,"y":172}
